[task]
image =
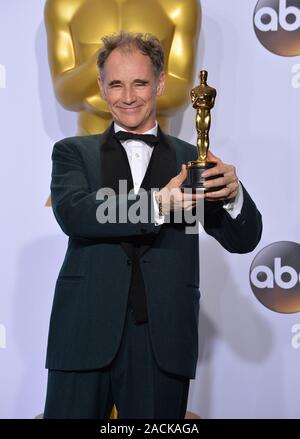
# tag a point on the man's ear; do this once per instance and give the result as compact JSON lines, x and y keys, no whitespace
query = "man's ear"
{"x":101,"y":87}
{"x":161,"y":84}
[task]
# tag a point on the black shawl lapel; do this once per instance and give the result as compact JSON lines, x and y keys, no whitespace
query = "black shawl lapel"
{"x":162,"y":165}
{"x":114,"y":166}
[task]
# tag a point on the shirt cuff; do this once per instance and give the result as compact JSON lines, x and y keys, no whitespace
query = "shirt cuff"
{"x":234,"y":207}
{"x":158,"y":219}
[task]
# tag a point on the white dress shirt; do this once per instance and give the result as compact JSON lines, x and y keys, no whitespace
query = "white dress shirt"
{"x":139,"y":154}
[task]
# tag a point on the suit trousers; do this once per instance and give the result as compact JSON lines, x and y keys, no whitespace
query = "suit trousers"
{"x":133,"y":381}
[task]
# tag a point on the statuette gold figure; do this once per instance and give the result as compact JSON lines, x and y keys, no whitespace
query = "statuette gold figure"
{"x":203,"y":99}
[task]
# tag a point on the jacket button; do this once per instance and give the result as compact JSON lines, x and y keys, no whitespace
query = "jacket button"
{"x":129,"y":262}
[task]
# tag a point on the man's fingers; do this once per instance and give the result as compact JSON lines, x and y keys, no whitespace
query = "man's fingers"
{"x":178,"y":200}
{"x":211,"y":157}
{"x":219,"y":168}
{"x":216,"y":182}
{"x":192,"y":197}
{"x":188,"y":205}
{"x":229,"y":180}
{"x":227,"y":193}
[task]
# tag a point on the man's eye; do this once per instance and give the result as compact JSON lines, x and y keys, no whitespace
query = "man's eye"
{"x":115,"y":86}
{"x":141,"y":84}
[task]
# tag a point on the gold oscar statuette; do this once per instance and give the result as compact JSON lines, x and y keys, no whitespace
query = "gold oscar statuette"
{"x":203,"y":99}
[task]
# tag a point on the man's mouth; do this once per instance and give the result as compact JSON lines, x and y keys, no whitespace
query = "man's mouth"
{"x":129,"y":108}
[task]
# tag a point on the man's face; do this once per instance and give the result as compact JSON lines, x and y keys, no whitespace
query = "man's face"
{"x":130,"y":88}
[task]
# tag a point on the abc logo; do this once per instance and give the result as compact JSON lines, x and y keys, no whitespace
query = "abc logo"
{"x":275,"y":276}
{"x":277,"y":26}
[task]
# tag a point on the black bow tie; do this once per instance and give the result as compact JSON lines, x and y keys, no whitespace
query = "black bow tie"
{"x":150,"y":139}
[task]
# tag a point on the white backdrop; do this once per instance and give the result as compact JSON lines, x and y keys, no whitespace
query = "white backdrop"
{"x":248,"y":362}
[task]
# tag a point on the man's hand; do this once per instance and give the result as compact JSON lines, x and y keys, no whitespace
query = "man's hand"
{"x":173,"y":199}
{"x":229,"y":180}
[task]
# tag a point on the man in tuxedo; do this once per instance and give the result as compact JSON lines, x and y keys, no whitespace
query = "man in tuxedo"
{"x":124,"y":322}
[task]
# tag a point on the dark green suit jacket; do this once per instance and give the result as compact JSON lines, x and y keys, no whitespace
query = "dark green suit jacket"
{"x":91,"y":293}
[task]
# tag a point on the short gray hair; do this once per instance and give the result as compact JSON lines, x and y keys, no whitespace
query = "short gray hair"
{"x":146,"y":43}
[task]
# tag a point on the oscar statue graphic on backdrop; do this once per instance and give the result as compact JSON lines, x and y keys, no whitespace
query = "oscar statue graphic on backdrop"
{"x":74,"y":32}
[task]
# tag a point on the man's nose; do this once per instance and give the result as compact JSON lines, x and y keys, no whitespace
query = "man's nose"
{"x":128,"y":95}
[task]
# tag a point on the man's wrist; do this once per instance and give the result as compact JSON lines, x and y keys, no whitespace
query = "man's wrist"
{"x":234,"y":207}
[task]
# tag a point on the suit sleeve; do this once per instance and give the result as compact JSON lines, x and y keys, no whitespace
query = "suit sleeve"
{"x":77,"y":209}
{"x":239,"y":235}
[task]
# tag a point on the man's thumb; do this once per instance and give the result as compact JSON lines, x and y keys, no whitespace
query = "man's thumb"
{"x":182,"y":174}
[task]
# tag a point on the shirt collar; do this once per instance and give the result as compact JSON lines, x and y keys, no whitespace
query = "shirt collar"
{"x":152,"y":131}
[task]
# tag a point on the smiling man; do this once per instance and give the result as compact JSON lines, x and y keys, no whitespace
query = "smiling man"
{"x":124,"y":322}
